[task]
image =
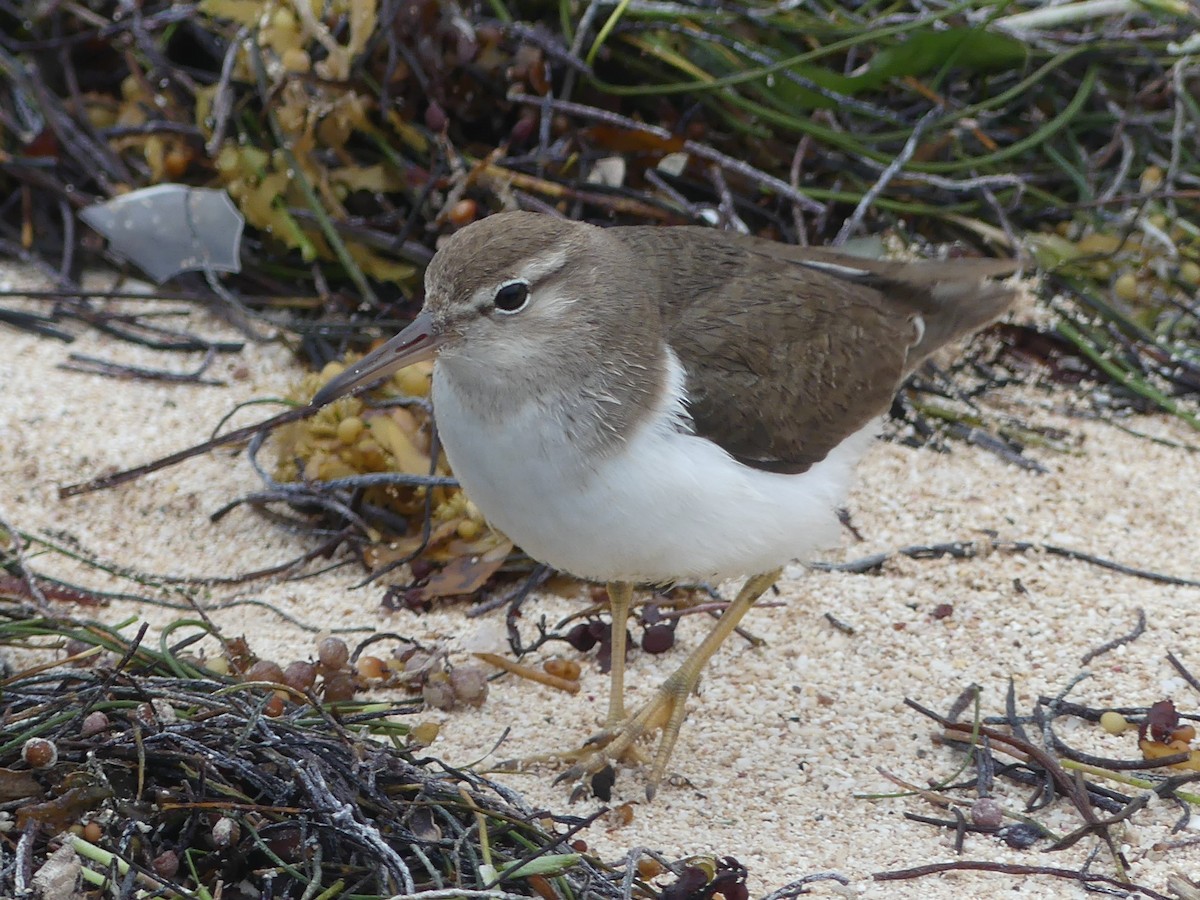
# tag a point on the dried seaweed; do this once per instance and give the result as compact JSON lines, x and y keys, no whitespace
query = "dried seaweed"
{"x":351,"y":141}
{"x":161,"y":775}
{"x":1003,"y":748}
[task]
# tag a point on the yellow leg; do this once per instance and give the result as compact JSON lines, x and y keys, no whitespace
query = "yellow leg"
{"x":666,"y":710}
{"x":620,"y":596}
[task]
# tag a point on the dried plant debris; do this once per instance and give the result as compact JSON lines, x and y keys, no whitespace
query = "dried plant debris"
{"x":380,"y":451}
{"x":351,"y":137}
{"x":137,"y":771}
{"x":1027,"y":752}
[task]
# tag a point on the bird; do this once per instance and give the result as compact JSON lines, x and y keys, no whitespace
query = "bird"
{"x":650,"y":405}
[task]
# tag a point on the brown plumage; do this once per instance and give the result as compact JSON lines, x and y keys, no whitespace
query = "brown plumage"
{"x":791,"y":349}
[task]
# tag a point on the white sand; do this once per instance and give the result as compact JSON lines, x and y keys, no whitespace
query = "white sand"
{"x":780,"y":738}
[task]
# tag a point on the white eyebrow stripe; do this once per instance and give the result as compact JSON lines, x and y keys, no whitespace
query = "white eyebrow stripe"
{"x":541,"y":266}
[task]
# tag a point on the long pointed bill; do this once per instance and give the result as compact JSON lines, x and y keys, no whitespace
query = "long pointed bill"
{"x":415,"y":343}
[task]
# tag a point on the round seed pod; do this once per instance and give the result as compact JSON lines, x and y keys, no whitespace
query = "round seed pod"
{"x":333,"y":653}
{"x":658,"y":638}
{"x":93,"y":723}
{"x":562,"y":668}
{"x":438,"y":692}
{"x":987,"y":813}
{"x":274,"y":706}
{"x":470,"y":684}
{"x":339,"y":687}
{"x":166,"y":864}
{"x":371,"y":667}
{"x":264,"y":670}
{"x":1113,"y":722}
{"x":300,"y":675}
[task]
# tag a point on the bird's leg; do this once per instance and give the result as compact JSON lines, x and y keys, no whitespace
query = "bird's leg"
{"x":620,"y":596}
{"x":666,"y":709}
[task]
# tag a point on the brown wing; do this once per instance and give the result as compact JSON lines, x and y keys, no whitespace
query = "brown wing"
{"x":789,"y":353}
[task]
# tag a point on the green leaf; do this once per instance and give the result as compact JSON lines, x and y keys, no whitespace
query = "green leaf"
{"x":960,"y":48}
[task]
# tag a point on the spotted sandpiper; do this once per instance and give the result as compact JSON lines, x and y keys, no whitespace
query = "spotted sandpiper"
{"x":647,"y":405}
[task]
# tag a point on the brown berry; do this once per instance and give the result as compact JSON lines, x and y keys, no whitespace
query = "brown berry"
{"x":987,"y":813}
{"x":166,"y":864}
{"x":300,"y":675}
{"x":333,"y":653}
{"x":437,"y":691}
{"x":264,"y":670}
{"x":463,"y":212}
{"x":424,"y":733}
{"x":524,"y":129}
{"x":39,"y":753}
{"x":649,"y":868}
{"x":93,"y":723}
{"x":176,"y":163}
{"x":339,"y":688}
{"x":371,"y":667}
{"x":435,"y":117}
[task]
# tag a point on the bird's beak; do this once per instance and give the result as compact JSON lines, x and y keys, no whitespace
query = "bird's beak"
{"x":419,"y":341}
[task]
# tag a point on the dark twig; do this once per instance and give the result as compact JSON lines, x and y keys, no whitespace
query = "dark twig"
{"x":972,"y":549}
{"x":104,"y":482}
{"x":799,"y":887}
{"x":1021,"y":871}
{"x":1183,"y":671}
{"x":854,"y":221}
{"x":1138,"y":630}
{"x":701,"y":151}
{"x":1063,"y":782}
{"x":91,"y":365}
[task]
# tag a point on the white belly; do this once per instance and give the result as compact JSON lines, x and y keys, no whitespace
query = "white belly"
{"x":669,"y":507}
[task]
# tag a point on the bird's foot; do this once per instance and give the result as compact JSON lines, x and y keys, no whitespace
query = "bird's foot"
{"x":618,"y":742}
{"x":667,"y":708}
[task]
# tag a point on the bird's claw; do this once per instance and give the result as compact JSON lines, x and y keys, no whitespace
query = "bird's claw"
{"x":618,"y":743}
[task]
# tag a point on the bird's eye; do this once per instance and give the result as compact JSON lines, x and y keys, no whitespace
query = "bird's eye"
{"x":512,"y":297}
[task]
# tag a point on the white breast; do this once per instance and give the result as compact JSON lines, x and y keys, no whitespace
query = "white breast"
{"x":669,"y":507}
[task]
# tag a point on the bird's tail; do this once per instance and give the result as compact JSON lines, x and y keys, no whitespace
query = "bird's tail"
{"x":952,"y":298}
{"x":952,"y":309}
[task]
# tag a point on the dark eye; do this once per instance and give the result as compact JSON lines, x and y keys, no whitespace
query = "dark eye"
{"x":512,"y":297}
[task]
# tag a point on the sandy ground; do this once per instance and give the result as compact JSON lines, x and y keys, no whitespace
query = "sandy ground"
{"x":780,"y":738}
